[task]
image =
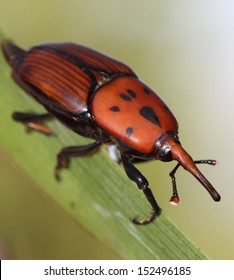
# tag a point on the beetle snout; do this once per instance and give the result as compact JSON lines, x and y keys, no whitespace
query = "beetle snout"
{"x":185,"y":160}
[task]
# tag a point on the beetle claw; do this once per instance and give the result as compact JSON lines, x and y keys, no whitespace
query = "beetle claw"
{"x":146,"y":221}
{"x":57,"y":174}
{"x":60,"y":165}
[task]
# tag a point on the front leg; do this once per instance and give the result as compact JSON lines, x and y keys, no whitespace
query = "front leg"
{"x":65,"y":154}
{"x":135,"y":175}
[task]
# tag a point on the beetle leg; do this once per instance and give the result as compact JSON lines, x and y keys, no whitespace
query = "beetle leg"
{"x":33,"y":121}
{"x":66,"y":153}
{"x":135,"y":175}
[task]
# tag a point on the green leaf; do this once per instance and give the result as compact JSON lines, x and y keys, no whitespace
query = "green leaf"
{"x":95,"y":191}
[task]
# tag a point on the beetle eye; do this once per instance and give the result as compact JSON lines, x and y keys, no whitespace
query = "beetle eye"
{"x":176,"y":139}
{"x":165,"y":153}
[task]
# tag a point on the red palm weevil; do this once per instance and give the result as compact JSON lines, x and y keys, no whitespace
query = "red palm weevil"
{"x":101,"y":98}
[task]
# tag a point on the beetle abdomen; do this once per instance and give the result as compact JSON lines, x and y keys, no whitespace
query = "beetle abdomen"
{"x":11,"y":52}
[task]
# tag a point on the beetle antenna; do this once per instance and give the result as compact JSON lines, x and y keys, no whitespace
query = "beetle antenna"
{"x":174,"y":200}
{"x":206,"y":161}
{"x":175,"y":197}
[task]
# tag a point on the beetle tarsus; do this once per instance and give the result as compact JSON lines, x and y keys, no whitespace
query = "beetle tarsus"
{"x":33,"y":121}
{"x":148,"y":220}
{"x":62,"y":162}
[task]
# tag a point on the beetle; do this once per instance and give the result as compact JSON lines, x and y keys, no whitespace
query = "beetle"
{"x":101,"y":98}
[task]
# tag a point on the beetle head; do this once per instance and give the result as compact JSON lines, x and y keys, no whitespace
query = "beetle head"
{"x":168,"y":148}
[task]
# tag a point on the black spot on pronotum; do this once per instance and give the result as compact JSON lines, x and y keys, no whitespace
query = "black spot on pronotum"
{"x":114,"y":109}
{"x":146,"y":90}
{"x":131,"y":93}
{"x":125,"y":97}
{"x":149,"y":114}
{"x":129,"y":131}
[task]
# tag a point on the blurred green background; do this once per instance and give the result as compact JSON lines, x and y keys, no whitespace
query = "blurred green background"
{"x":184,"y":50}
